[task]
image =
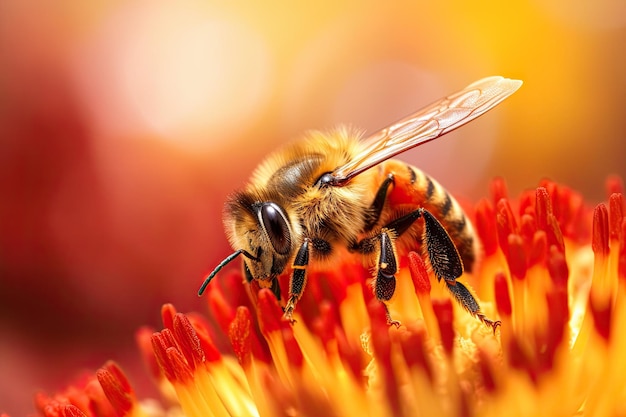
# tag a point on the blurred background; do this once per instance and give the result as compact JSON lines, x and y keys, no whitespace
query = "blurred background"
{"x":124,"y":125}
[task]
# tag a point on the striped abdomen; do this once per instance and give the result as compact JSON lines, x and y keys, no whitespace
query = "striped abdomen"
{"x":412,"y":189}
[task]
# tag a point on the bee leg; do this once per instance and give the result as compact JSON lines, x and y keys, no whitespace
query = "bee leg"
{"x":379,"y":202}
{"x":385,"y":283}
{"x":297,"y":280}
{"x":444,"y":257}
{"x":467,"y":300}
{"x":447,"y":264}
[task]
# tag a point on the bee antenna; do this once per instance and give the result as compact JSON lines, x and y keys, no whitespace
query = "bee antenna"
{"x":217,"y":269}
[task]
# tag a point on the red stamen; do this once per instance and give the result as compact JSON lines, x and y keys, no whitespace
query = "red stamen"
{"x":61,"y":405}
{"x":350,"y":354}
{"x":554,"y":235}
{"x":557,"y":267}
{"x":520,"y":359}
{"x":324,"y":287}
{"x":486,"y":367}
{"x":351,"y":274}
{"x":99,"y":404}
{"x":381,"y":343}
{"x":549,"y":185}
{"x":528,"y":227}
{"x":600,"y":234}
{"x":486,"y":226}
{"x":465,"y":398}
{"x":413,"y":345}
{"x":602,"y":312}
{"x":220,"y":308}
{"x":498,"y":190}
{"x":502,"y":296}
{"x":234,"y":288}
{"x":569,"y":205}
{"x":337,"y":288}
{"x":616,"y":215}
{"x":260,"y":349}
{"x":366,"y":291}
{"x":188,"y":341}
{"x":182,"y":371}
{"x":143,"y":338}
{"x":270,"y":314}
{"x":46,"y":405}
{"x":516,"y":256}
{"x":324,"y":325}
{"x":292,"y":348}
{"x":506,"y":224}
{"x":443,"y":311}
{"x":558,"y":316}
{"x":614,"y":185}
{"x":68,"y":411}
{"x":239,"y":335}
{"x":543,"y":207}
{"x":419,"y":274}
{"x":546,"y":220}
{"x":621,"y":262}
{"x":527,"y":203}
{"x":538,"y":248}
{"x":210,"y":351}
{"x":116,"y":388}
{"x":379,"y":329}
{"x":161,"y":341}
{"x":168,"y":311}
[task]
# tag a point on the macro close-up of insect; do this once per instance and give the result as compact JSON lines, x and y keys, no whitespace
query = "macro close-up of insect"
{"x":335,"y":192}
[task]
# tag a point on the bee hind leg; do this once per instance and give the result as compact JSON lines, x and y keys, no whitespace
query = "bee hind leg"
{"x":442,"y":253}
{"x":469,"y":303}
{"x":447,"y":264}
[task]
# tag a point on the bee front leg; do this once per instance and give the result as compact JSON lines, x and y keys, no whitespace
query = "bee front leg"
{"x":297,"y":280}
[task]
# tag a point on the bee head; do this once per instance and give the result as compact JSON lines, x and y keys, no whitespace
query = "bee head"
{"x":262,"y":230}
{"x":262,"y":233}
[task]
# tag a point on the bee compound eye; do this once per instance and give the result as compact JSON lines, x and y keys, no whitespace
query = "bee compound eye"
{"x":274,"y":223}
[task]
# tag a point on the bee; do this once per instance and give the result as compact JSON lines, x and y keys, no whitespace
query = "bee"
{"x":331,"y":191}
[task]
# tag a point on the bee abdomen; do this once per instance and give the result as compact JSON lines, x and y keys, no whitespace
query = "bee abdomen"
{"x":429,"y":194}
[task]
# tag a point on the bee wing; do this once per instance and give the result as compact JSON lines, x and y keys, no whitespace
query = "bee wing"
{"x":431,"y":122}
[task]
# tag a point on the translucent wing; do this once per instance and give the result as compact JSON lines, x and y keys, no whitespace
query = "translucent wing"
{"x":441,"y":117}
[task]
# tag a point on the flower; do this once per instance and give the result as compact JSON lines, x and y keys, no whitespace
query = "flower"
{"x":554,"y":273}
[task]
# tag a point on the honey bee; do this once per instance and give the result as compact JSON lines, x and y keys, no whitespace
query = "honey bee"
{"x":336,"y":190}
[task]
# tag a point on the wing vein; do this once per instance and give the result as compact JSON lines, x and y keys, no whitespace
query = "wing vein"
{"x":431,"y":122}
